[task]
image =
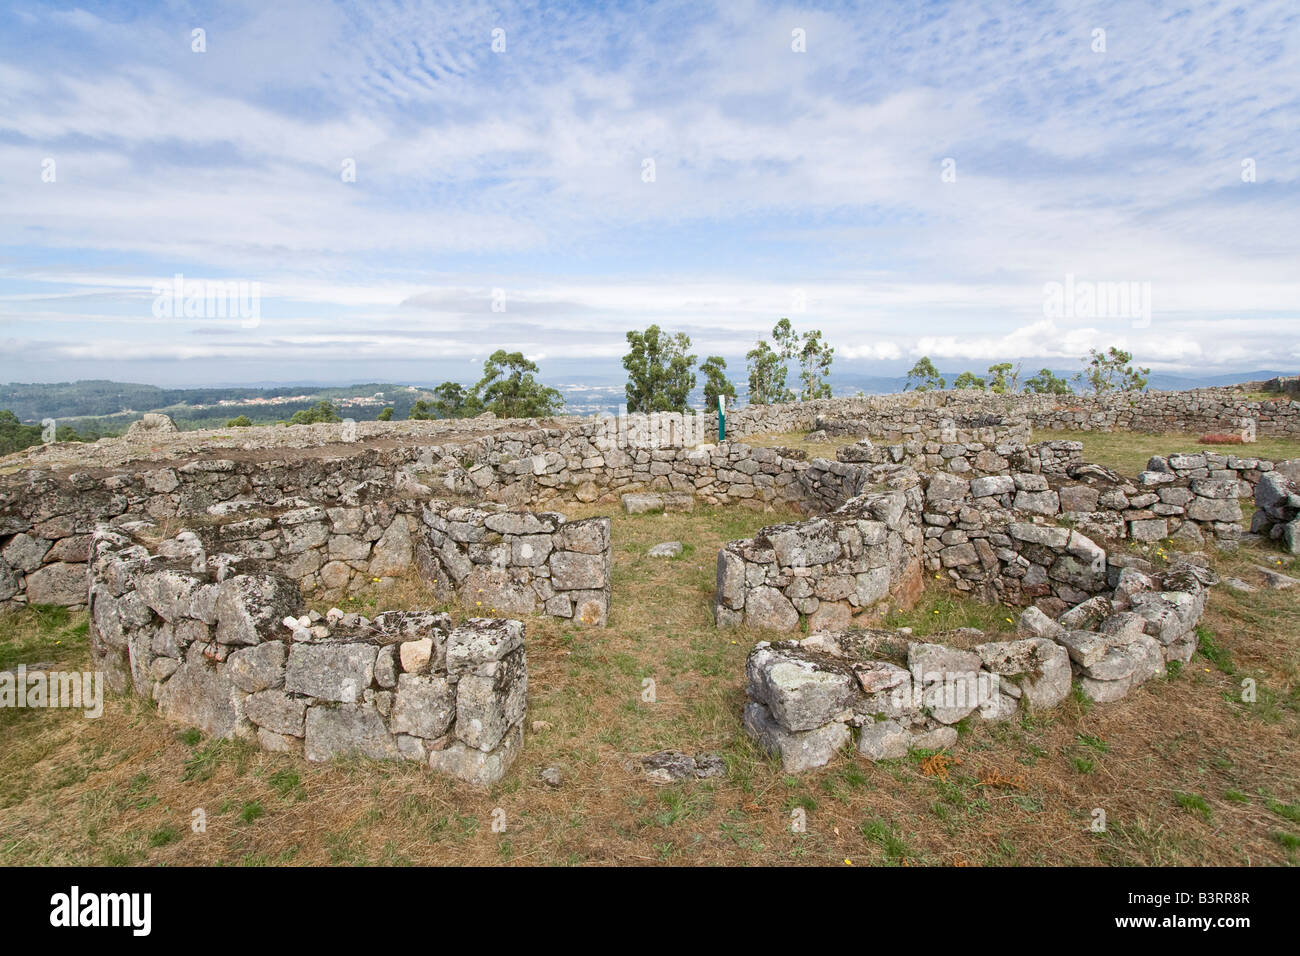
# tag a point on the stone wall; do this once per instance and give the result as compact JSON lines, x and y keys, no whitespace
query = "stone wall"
{"x":827,"y":569}
{"x":892,"y":417}
{"x":809,"y":698}
{"x":46,"y":518}
{"x":517,"y":562}
{"x":225,"y":647}
{"x":489,"y":558}
{"x":1277,"y":506}
{"x":969,"y":457}
{"x":1038,"y":536}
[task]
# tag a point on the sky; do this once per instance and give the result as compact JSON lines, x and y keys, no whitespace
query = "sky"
{"x":398,"y":189}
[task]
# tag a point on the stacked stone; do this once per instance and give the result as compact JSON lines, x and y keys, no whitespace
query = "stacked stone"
{"x":1119,"y":641}
{"x":1277,"y":506}
{"x":730,"y":473}
{"x":823,"y":570}
{"x":928,"y":425}
{"x":334,"y":548}
{"x":225,"y":647}
{"x":1199,"y":411}
{"x":519,"y":562}
{"x":970,"y":457}
{"x":805,"y":697}
{"x":809,"y":698}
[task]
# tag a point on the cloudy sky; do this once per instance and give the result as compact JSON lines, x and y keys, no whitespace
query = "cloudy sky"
{"x":911,"y":178}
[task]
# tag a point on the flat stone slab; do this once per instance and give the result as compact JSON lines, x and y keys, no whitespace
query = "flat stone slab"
{"x":666,"y":549}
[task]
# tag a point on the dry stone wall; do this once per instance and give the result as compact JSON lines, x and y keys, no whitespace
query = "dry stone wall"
{"x":887,"y":693}
{"x":826,"y":569}
{"x":46,"y":518}
{"x":1038,"y":536}
{"x":1277,"y":506}
{"x":488,"y":559}
{"x":225,"y":647}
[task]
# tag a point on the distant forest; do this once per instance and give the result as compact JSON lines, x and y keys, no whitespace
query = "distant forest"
{"x":103,"y":407}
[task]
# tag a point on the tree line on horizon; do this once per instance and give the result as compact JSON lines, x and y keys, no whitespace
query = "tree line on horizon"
{"x":662,"y":374}
{"x":661,"y":371}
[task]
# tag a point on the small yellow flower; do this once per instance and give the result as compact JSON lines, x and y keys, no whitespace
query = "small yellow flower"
{"x":478,"y":603}
{"x":848,"y":862}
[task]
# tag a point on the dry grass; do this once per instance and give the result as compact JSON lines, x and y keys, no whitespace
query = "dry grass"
{"x":1128,"y":452}
{"x":1185,"y":772}
{"x":799,"y":441}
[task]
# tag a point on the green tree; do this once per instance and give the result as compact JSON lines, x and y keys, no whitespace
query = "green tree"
{"x":1045,"y":383}
{"x":240,"y":421}
{"x":322,"y":411}
{"x":1002,"y":378}
{"x":715,"y":382}
{"x":815,"y":358}
{"x":924,"y":377}
{"x":770,"y":367}
{"x":659,"y":371}
{"x":766,"y":376}
{"x":386,"y":415}
{"x":453,"y":400}
{"x":969,"y":380}
{"x":508,"y":389}
{"x":1110,"y":371}
{"x":14,"y":435}
{"x":422,"y":410}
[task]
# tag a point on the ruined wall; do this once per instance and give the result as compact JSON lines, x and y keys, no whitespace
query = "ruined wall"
{"x":489,"y":558}
{"x":516,"y":562}
{"x":1038,"y":536}
{"x":226,"y":648}
{"x":1277,"y":506}
{"x":826,"y":569}
{"x":46,"y":518}
{"x":889,"y":693}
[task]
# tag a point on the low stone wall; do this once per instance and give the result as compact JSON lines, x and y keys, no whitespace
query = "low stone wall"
{"x":942,"y":425}
{"x":826,"y":569}
{"x":226,"y":648}
{"x":1277,"y":506}
{"x":808,"y":699}
{"x":1199,"y":411}
{"x":970,"y":457}
{"x":516,"y":562}
{"x":499,"y":561}
{"x":1037,"y":536}
{"x":730,"y":473}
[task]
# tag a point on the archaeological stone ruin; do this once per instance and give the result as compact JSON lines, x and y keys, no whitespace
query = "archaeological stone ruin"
{"x":198,"y":555}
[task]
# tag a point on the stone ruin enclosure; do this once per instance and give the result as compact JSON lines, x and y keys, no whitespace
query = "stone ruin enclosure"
{"x":194,"y":564}
{"x":225,"y":647}
{"x":806,"y":697}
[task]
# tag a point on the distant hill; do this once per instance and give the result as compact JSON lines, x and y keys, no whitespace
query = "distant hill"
{"x":107,"y":406}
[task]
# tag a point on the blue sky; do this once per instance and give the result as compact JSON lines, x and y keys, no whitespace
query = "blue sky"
{"x":783,"y":181}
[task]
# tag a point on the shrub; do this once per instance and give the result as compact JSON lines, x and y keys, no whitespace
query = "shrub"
{"x":1221,"y":438}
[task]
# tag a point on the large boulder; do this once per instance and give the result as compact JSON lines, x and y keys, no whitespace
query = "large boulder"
{"x":340,"y":730}
{"x":801,"y":691}
{"x":251,"y":608}
{"x":58,"y":583}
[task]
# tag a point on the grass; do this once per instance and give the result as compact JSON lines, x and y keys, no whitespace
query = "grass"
{"x":43,"y":634}
{"x":123,"y":789}
{"x":799,"y":442}
{"x":1129,"y":452}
